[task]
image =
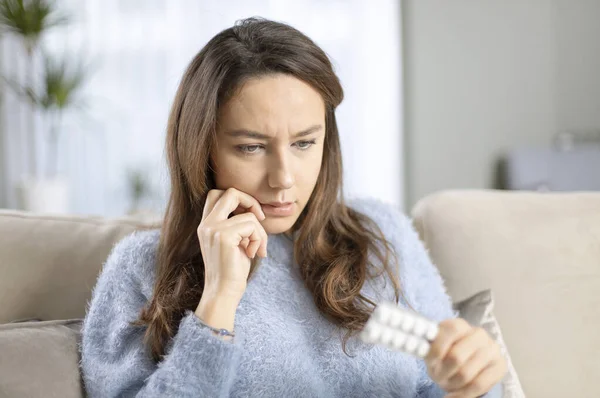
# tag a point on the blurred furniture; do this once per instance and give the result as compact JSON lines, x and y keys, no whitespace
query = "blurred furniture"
{"x":48,"y":267}
{"x":540,"y":255}
{"x":571,"y":164}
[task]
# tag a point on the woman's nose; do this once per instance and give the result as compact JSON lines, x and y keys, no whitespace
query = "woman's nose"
{"x":281,"y":174}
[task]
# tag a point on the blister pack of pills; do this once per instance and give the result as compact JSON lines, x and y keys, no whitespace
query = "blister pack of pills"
{"x":399,"y":329}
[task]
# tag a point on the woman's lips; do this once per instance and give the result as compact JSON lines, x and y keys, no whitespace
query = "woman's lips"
{"x":283,"y":210}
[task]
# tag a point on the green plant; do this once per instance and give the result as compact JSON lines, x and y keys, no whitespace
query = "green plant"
{"x":29,"y":19}
{"x":61,"y":82}
{"x":139,"y":187}
{"x":61,"y":87}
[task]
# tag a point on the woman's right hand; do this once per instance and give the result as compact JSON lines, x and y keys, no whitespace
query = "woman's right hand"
{"x":229,"y":244}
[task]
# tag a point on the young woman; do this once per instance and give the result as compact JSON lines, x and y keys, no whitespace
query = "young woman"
{"x":261,"y":276}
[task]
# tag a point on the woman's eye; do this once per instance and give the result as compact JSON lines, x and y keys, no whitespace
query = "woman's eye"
{"x":249,"y":148}
{"x":305,"y":144}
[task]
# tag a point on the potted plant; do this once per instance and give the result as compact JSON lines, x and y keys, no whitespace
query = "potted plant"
{"x":141,"y":194}
{"x":52,"y":97}
{"x":60,"y":92}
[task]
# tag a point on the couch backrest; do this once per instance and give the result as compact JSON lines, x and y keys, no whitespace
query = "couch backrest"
{"x":49,"y":263}
{"x":540,"y":255}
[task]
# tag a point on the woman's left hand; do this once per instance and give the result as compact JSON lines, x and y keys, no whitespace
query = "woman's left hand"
{"x":464,"y":360}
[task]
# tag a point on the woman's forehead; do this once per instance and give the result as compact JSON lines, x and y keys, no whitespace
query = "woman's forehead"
{"x":273,"y":103}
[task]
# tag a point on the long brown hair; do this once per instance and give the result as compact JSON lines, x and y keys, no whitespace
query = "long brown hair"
{"x":333,"y":240}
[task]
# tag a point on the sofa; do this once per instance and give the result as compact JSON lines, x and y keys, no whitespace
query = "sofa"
{"x":539,"y":253}
{"x":529,"y":262}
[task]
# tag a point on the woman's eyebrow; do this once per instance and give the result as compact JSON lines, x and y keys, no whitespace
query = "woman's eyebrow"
{"x":254,"y":134}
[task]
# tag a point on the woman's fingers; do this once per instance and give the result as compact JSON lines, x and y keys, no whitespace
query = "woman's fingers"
{"x":211,"y":199}
{"x":469,"y":370}
{"x":253,"y":247}
{"x":462,"y":352}
{"x":464,"y":360}
{"x":254,"y":240}
{"x":450,"y":331}
{"x":482,"y":383}
{"x":244,"y":208}
{"x":239,"y":210}
{"x":234,"y":234}
{"x":230,"y":201}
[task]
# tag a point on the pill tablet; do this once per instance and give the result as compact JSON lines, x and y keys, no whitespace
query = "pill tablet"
{"x":407,"y":323}
{"x":399,"y":340}
{"x":411,"y":344}
{"x":396,"y":319}
{"x":372,"y":332}
{"x":386,"y":336}
{"x":383,"y":314}
{"x":423,"y":349}
{"x":432,"y":331}
{"x":420,"y":327}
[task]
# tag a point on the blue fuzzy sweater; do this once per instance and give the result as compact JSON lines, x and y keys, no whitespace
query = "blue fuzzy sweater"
{"x":283,"y":346}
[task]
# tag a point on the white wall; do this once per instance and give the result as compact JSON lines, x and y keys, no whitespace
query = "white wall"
{"x":482,"y":77}
{"x":142,"y":49}
{"x":578,"y":64}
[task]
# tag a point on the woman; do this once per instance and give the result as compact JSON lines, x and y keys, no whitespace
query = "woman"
{"x":261,"y":276}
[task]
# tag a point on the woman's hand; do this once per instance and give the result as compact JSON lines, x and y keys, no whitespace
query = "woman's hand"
{"x":464,"y":360}
{"x":228,"y":244}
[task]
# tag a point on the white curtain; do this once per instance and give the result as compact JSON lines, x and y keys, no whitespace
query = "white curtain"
{"x":140,"y":48}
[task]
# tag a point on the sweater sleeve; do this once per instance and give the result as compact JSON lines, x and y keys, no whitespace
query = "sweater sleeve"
{"x":421,"y":282}
{"x":114,"y":360}
{"x":427,"y":293}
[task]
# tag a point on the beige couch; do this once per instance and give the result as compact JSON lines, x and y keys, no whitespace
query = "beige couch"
{"x":539,"y":253}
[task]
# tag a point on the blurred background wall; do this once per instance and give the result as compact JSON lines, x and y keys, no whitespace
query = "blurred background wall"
{"x":139,"y":49}
{"x":439,"y":94}
{"x":485,"y":77}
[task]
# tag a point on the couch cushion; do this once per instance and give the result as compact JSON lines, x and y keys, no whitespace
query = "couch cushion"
{"x":49,"y":264}
{"x":478,"y":310}
{"x":540,"y":255}
{"x":40,"y":359}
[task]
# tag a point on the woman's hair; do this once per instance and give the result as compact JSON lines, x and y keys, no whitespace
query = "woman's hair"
{"x":333,"y":240}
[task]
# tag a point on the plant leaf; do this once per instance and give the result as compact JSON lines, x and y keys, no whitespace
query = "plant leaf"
{"x":25,"y":92}
{"x":30,"y":18}
{"x":61,"y":83}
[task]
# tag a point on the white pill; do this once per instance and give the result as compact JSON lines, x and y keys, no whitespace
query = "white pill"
{"x":423,"y":349}
{"x":420,"y":327}
{"x":399,"y":340}
{"x":372,"y":332}
{"x":411,"y":344}
{"x":396,"y":319}
{"x":383,"y":314}
{"x":386,"y":336}
{"x":408,"y":322}
{"x":432,"y":331}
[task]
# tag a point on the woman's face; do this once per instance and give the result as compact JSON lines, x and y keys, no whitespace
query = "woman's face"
{"x":270,"y":145}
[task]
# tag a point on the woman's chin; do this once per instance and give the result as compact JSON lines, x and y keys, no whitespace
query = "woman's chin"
{"x":278,"y":225}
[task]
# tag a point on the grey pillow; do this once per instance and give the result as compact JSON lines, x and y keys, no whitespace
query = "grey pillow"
{"x":478,"y":311}
{"x":40,"y":359}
